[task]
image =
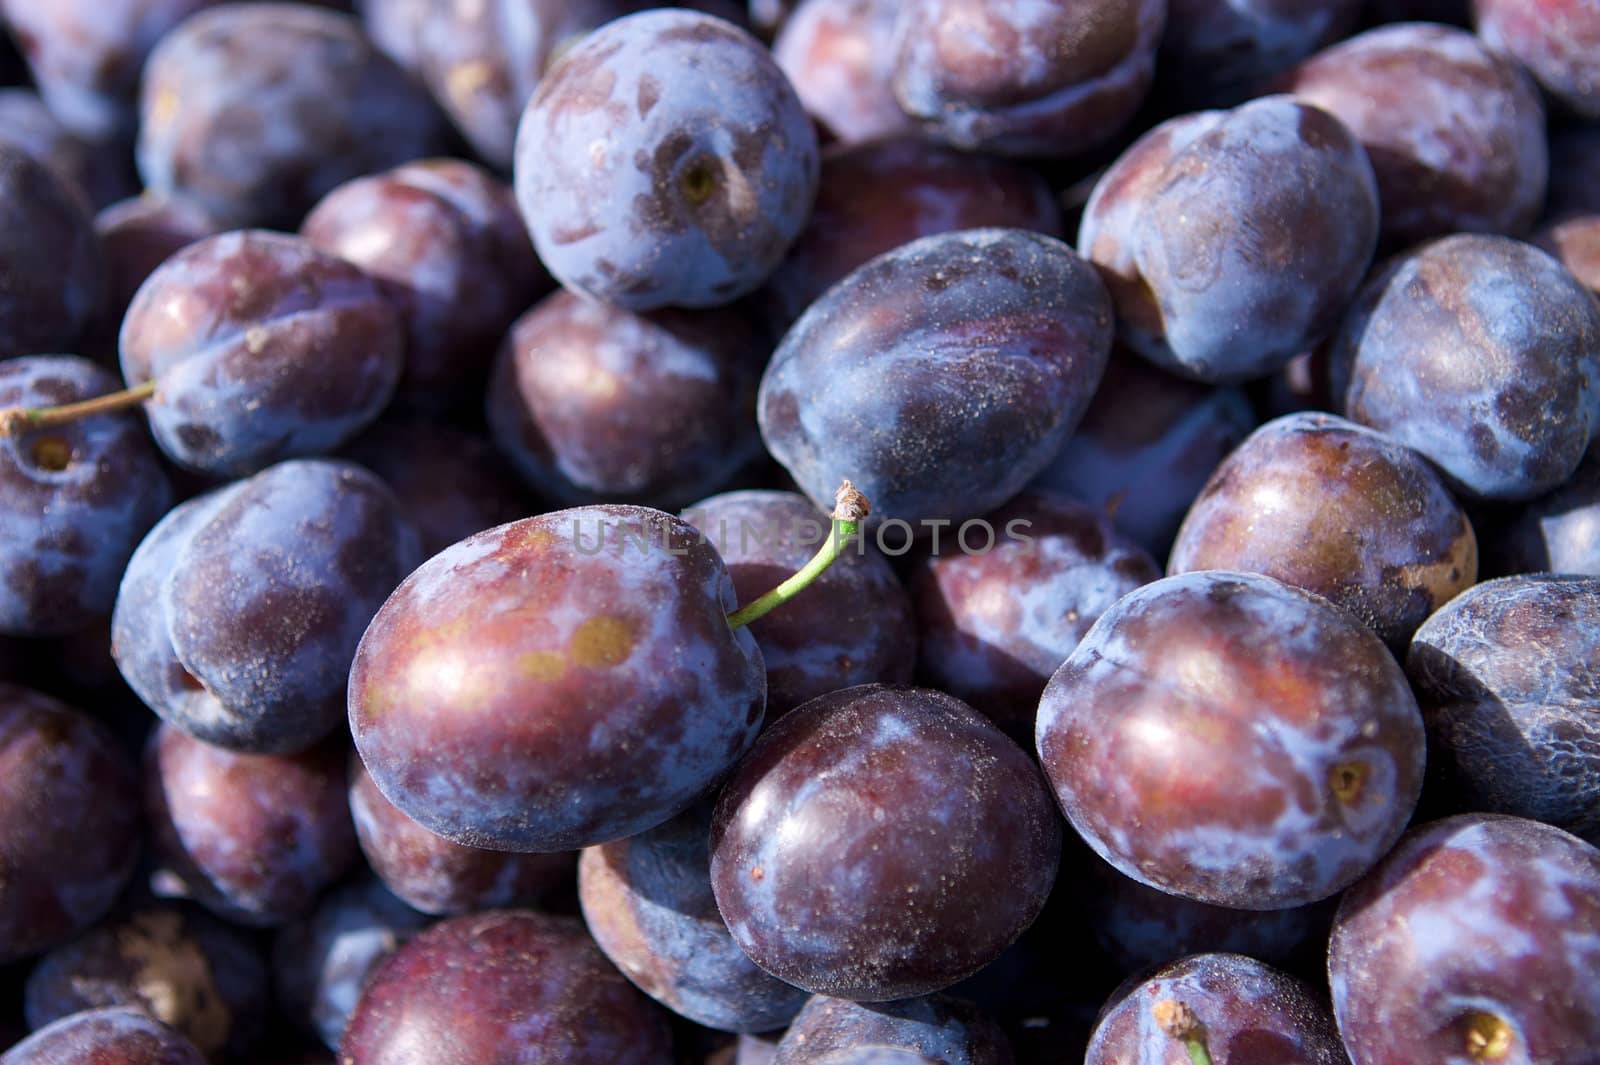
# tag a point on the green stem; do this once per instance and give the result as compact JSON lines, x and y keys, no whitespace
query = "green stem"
{"x":850,"y":508}
{"x":17,"y":420}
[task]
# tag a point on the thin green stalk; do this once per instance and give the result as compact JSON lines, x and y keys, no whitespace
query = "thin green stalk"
{"x":850,"y":508}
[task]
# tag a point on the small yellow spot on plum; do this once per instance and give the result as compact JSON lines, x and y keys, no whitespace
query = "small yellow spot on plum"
{"x":1346,"y":781}
{"x":602,"y":641}
{"x":757,"y":873}
{"x":542,"y":665}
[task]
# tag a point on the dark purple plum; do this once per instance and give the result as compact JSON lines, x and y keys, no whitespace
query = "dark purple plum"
{"x":648,"y":903}
{"x":1145,"y":448}
{"x":1231,"y":739}
{"x":940,"y":376}
{"x":907,"y":837}
{"x":561,"y":681}
{"x":1243,"y":1011}
{"x":69,"y":809}
{"x":52,"y":275}
{"x":202,"y":977}
{"x":136,"y":236}
{"x":1232,"y":241}
{"x":240,"y":613}
{"x":1338,"y":509}
{"x":105,"y":1037}
{"x":1556,"y":533}
{"x":258,"y":110}
{"x":852,"y":625}
{"x":593,"y":403}
{"x":937,"y":1029}
{"x":437,"y":876}
{"x":322,"y":962}
{"x":1455,"y":132}
{"x":1557,"y":40}
{"x":1220,"y":53}
{"x":1505,"y":677}
{"x":877,"y":196}
{"x":99,"y":171}
{"x":450,"y":483}
{"x":255,"y":838}
{"x":877,"y":1055}
{"x":1450,"y":12}
{"x":261,"y":348}
{"x":75,"y":499}
{"x":1482,"y":353}
{"x":1477,"y":940}
{"x":444,"y":240}
{"x":503,"y":987}
{"x":1574,"y":159}
{"x":999,"y":609}
{"x":665,"y":161}
{"x":839,"y":56}
{"x":1029,"y":78}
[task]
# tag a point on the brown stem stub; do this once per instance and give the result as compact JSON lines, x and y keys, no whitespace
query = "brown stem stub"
{"x":849,"y":504}
{"x":14,"y":421}
{"x":1175,"y":1019}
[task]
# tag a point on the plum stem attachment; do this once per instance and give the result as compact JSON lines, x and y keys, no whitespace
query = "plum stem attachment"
{"x":1180,"y":1023}
{"x":850,"y":508}
{"x":14,"y":421}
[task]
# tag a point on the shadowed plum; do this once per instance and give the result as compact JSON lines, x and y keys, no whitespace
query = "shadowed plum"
{"x":648,"y":903}
{"x":557,"y":682}
{"x":136,"y":236}
{"x":997,"y":616}
{"x":258,"y":110}
{"x":1505,"y":675}
{"x":1557,"y":40}
{"x":881,"y":842}
{"x":1482,"y":353}
{"x":1556,"y":533}
{"x":261,"y":348}
{"x":1231,"y":739}
{"x":1220,"y":53}
{"x":75,"y":499}
{"x":938,"y":1029}
{"x":939,"y":376}
{"x":593,"y":403}
{"x":853,"y":625}
{"x":239,"y":614}
{"x":839,"y":56}
{"x":1477,"y":940}
{"x":504,"y":987}
{"x":1232,"y":241}
{"x":255,"y":838}
{"x":69,"y":809}
{"x":437,"y":876}
{"x":665,"y":161}
{"x":105,"y":1037}
{"x":51,"y":269}
{"x":1337,"y":509}
{"x":1035,"y":79}
{"x":99,"y":171}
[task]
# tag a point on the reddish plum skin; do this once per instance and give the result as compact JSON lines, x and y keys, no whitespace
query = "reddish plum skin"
{"x":136,"y":236}
{"x":258,"y":110}
{"x":1251,"y":1014}
{"x":1231,"y":739}
{"x":75,"y":500}
{"x":939,"y":376}
{"x":1025,"y":78}
{"x":51,"y":270}
{"x":437,"y":876}
{"x":1337,"y":509}
{"x":262,"y":348}
{"x":598,"y":404}
{"x":1475,"y":917}
{"x":240,"y":612}
{"x":852,"y":625}
{"x":1145,"y":448}
{"x":1504,"y":674}
{"x":541,"y":993}
{"x":1557,"y":40}
{"x":839,"y":56}
{"x":1455,"y":132}
{"x":939,"y":1029}
{"x":706,"y":170}
{"x":105,"y":1037}
{"x":1231,"y":241}
{"x":1482,"y":353}
{"x":994,"y":625}
{"x":203,"y":978}
{"x":1557,"y":533}
{"x":902,"y":835}
{"x":444,"y":240}
{"x":69,"y":804}
{"x":255,"y":838}
{"x":874,"y":197}
{"x":1219,"y":53}
{"x":561,"y":681}
{"x":648,"y":903}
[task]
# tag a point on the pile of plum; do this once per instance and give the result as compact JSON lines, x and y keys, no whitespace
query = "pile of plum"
{"x":411,"y":409}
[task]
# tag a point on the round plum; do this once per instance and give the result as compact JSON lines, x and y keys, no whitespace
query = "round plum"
{"x":937,"y":1029}
{"x":1557,"y":40}
{"x":839,"y":56}
{"x":105,"y":1037}
{"x":51,"y":270}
